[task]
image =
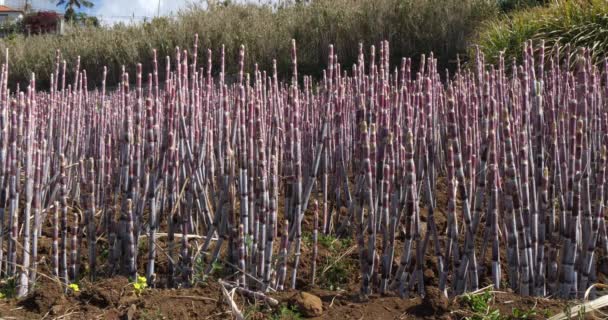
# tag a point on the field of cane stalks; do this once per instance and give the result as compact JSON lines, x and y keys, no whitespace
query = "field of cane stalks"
{"x":382,"y":190}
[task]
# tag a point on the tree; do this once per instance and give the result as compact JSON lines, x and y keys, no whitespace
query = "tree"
{"x":70,"y":13}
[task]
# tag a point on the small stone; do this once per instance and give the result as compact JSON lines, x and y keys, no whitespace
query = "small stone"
{"x":309,"y":304}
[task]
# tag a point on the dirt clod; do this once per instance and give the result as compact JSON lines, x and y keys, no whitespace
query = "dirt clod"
{"x":309,"y":304}
{"x":429,"y":276}
{"x":435,"y":301}
{"x":43,"y":298}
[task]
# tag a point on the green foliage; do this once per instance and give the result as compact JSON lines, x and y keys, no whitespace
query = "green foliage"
{"x":307,"y":239}
{"x":287,"y":313}
{"x":11,"y":29}
{"x":216,"y":267}
{"x":578,"y":23}
{"x":480,"y":306}
{"x":8,"y":289}
{"x":478,"y":302}
{"x":523,"y":314}
{"x":248,"y":241}
{"x":580,"y":313}
{"x":74,"y":287}
{"x":85,"y":20}
{"x":412,"y":26}
{"x":510,"y":5}
{"x":140,"y":285}
{"x":334,"y":244}
{"x":327,"y":241}
{"x":199,"y":277}
{"x":335,"y":270}
{"x":104,"y":254}
{"x":335,"y":277}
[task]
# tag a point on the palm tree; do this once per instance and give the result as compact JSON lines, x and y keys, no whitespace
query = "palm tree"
{"x":70,"y":4}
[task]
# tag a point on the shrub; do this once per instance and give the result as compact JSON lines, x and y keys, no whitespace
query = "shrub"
{"x":42,"y":22}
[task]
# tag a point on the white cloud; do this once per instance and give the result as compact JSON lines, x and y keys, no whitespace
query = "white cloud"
{"x":111,"y":11}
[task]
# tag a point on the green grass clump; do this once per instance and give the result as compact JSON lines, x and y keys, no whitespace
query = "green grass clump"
{"x":578,"y":23}
{"x":480,"y":308}
{"x":287,"y":313}
{"x":335,"y":270}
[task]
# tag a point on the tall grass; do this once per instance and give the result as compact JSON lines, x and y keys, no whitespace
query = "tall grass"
{"x":413,"y":27}
{"x":573,"y":23}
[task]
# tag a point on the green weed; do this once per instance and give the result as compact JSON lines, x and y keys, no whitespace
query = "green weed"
{"x":480,"y":306}
{"x":287,"y":313}
{"x":523,"y":314}
{"x":9,"y":289}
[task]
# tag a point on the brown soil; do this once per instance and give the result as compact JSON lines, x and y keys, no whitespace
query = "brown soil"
{"x":114,"y":298}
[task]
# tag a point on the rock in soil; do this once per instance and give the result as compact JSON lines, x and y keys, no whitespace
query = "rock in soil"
{"x":309,"y":304}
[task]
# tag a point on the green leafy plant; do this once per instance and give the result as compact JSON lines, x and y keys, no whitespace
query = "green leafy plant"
{"x":327,"y":241}
{"x":287,"y":313}
{"x":569,"y":313}
{"x":9,"y":289}
{"x":140,"y":285}
{"x":335,"y":277}
{"x":248,"y":240}
{"x":74,"y":287}
{"x":307,"y":238}
{"x":332,"y":243}
{"x":199,"y":277}
{"x":581,"y":312}
{"x":523,"y":314}
{"x":336,"y":268}
{"x":480,"y":305}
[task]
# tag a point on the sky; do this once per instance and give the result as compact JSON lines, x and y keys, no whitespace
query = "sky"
{"x":121,"y":9}
{"x":112,"y":11}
